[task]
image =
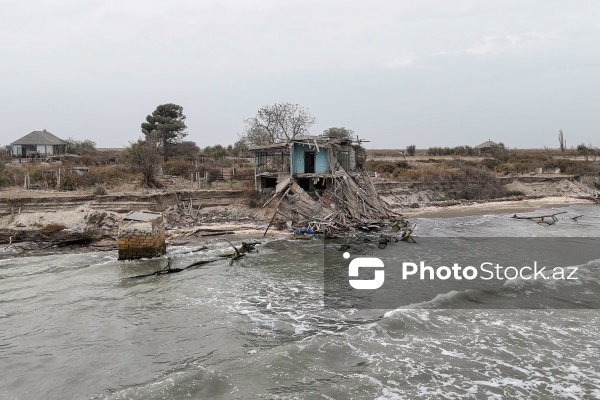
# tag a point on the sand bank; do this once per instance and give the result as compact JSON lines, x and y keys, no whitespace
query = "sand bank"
{"x":503,"y":207}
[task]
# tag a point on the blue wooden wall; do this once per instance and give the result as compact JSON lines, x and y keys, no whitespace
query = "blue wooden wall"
{"x":321,"y":159}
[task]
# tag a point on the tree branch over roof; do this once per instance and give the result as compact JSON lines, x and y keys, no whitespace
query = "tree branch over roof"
{"x":279,"y":122}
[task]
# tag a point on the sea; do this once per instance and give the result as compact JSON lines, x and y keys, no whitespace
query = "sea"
{"x":78,"y":326}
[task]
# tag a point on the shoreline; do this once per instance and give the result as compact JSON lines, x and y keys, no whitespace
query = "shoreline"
{"x":500,"y":207}
{"x":238,"y":231}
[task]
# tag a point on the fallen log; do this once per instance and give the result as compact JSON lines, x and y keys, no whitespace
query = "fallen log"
{"x":195,"y":250}
{"x":577,"y":218}
{"x":169,"y":270}
{"x":220,"y":233}
{"x":71,"y":242}
{"x":541,"y":219}
{"x":237,"y":254}
{"x":407,"y":232}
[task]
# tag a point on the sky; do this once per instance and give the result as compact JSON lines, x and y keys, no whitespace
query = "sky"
{"x":429,"y":73}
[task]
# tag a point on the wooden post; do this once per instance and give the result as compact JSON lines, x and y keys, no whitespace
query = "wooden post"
{"x":276,"y":209}
{"x":255,"y":171}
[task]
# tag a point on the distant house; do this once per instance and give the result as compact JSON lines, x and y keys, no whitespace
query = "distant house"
{"x":38,"y":143}
{"x":486,"y":147}
{"x":311,"y":160}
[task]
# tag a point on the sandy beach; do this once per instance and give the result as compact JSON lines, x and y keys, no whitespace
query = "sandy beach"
{"x":501,"y":207}
{"x":230,"y":220}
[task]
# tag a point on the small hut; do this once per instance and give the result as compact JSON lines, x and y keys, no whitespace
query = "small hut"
{"x":38,"y":143}
{"x":310,"y":160}
{"x":486,"y":147}
{"x":321,"y":184}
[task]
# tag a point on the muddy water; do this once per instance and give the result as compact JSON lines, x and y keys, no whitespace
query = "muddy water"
{"x":74,"y":326}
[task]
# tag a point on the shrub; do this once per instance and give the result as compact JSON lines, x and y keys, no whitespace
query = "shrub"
{"x":105,"y":176}
{"x":81,"y":147}
{"x":451,"y":151}
{"x":405,"y":175}
{"x":474,"y":184}
{"x":490,"y":163}
{"x":382,"y":167}
{"x":143,"y":156}
{"x":4,"y":178}
{"x":100,"y":190}
{"x":51,"y":228}
{"x":69,"y":182}
{"x":109,"y":175}
{"x":97,"y":218}
{"x":178,"y":167}
{"x":253,"y":199}
{"x":402,"y":164}
{"x":574,"y":167}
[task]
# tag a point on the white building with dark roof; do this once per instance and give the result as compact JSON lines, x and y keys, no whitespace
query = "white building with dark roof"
{"x":38,"y":143}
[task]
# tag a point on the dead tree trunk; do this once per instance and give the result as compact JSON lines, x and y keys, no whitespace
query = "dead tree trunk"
{"x":549,"y":219}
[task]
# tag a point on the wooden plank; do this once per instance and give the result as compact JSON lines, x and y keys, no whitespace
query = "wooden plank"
{"x":275,"y":213}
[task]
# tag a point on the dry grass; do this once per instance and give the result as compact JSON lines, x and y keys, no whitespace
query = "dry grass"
{"x":100,"y":190}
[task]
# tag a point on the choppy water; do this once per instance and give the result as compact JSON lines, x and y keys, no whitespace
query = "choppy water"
{"x":75,"y":327}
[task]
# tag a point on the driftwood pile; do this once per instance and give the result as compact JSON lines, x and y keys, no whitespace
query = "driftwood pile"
{"x":350,"y":202}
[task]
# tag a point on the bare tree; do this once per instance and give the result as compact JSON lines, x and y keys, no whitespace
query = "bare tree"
{"x":562,"y":141}
{"x":279,"y":122}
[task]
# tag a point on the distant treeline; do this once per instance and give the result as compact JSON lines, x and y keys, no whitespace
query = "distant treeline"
{"x":451,"y":151}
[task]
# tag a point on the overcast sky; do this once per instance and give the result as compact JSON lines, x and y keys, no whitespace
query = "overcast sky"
{"x":432,"y":73}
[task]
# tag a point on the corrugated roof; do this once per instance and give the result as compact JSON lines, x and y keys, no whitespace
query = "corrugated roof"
{"x":302,"y":139}
{"x":39,"y":137}
{"x":275,"y":146}
{"x":489,"y":143}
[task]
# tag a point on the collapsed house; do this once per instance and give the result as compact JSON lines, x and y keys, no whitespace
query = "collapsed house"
{"x":321,"y":184}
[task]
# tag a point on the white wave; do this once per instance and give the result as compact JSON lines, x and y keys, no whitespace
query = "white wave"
{"x":440,"y":298}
